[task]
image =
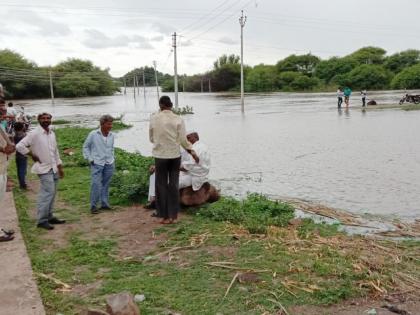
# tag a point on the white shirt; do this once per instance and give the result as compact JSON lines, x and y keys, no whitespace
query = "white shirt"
{"x":3,"y":156}
{"x":44,"y":145}
{"x":198,"y":171}
{"x":11,"y":111}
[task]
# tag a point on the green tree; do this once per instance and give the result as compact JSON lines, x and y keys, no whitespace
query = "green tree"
{"x":366,"y":77}
{"x":261,"y":78}
{"x":409,"y":78}
{"x":369,"y":55}
{"x":226,"y":60}
{"x":303,"y":63}
{"x":304,"y":83}
{"x":20,"y":77}
{"x":328,"y":69}
{"x":76,"y":77}
{"x":397,"y":62}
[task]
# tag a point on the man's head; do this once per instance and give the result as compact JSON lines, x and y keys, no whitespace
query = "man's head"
{"x":165,"y":102}
{"x":10,"y":104}
{"x":193,"y":137}
{"x":19,"y":126}
{"x":106,"y":123}
{"x":44,"y":120}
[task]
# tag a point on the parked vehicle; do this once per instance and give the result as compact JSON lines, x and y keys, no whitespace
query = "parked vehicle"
{"x":410,"y":99}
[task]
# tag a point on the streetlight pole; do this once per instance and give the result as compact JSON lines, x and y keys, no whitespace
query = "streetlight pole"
{"x":175,"y":70}
{"x":242,"y":21}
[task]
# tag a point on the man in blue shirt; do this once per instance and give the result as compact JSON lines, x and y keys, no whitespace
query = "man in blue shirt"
{"x":98,"y":149}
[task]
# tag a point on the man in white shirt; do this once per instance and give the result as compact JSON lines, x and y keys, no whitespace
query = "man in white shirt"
{"x":41,"y":145}
{"x":11,"y":111}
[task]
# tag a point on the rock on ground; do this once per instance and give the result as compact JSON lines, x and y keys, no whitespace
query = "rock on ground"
{"x":207,"y":193}
{"x":121,"y":304}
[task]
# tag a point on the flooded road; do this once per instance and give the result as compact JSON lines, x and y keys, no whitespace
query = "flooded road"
{"x":294,"y":145}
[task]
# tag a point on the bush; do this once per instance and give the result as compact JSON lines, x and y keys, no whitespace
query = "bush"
{"x":407,"y":79}
{"x":255,"y":213}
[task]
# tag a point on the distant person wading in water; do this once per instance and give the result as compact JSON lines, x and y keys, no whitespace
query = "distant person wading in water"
{"x":347,"y":93}
{"x":339,"y":97}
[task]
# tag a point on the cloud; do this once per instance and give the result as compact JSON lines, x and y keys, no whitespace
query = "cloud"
{"x":227,"y":41}
{"x":44,"y":26}
{"x":97,"y":39}
{"x":158,"y":38}
{"x":186,"y":43}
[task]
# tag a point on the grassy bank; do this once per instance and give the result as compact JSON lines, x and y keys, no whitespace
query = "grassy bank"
{"x":231,"y":257}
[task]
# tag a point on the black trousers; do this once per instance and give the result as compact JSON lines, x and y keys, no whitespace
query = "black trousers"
{"x":363,"y":101}
{"x":340,"y":101}
{"x":167,"y":187}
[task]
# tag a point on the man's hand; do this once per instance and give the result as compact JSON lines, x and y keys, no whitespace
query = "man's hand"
{"x":35,"y":157}
{"x":9,"y":149}
{"x":152,"y":169}
{"x":182,"y":169}
{"x":60,"y":171}
{"x":195,"y":156}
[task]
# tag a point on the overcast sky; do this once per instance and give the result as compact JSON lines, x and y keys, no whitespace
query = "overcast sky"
{"x":125,"y":34}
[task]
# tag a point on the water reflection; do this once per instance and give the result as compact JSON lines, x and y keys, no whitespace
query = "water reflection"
{"x":286,"y":144}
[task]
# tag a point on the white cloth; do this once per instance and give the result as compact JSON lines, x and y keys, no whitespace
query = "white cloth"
{"x":340,"y":93}
{"x":3,"y":156}
{"x":3,"y":184}
{"x":199,"y":171}
{"x":44,"y":145}
{"x":11,"y":111}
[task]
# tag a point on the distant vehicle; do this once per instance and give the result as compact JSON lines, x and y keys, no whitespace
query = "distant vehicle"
{"x":410,"y":99}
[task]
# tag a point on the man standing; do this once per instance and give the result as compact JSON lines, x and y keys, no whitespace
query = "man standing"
{"x":363,"y":93}
{"x":167,"y":133}
{"x":98,"y":149}
{"x":339,"y":97}
{"x":347,"y":93}
{"x":41,"y":145}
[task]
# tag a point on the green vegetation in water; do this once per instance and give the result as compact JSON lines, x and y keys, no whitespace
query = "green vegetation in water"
{"x":308,"y":264}
{"x":409,"y":107}
{"x":183,"y":110}
{"x":256,"y":213}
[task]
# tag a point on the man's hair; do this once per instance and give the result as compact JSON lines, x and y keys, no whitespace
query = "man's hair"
{"x":165,"y":101}
{"x":43,"y":114}
{"x":19,"y":126}
{"x":105,"y":119}
{"x":194,"y":134}
{"x":10,"y":104}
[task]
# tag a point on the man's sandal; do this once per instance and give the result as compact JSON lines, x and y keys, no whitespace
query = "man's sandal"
{"x":8,"y":232}
{"x":6,"y":238}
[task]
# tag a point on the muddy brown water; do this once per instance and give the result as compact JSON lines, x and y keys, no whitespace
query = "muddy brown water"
{"x":296,"y":145}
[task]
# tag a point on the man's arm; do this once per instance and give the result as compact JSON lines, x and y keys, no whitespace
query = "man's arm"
{"x":87,"y":154}
{"x":23,"y":147}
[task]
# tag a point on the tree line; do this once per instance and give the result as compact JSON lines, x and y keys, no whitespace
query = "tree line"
{"x":71,"y":78}
{"x":367,"y":68}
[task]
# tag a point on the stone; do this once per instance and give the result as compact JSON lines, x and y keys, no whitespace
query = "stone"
{"x":207,"y":193}
{"x":69,"y":151}
{"x":296,"y":222}
{"x":248,"y":277}
{"x":139,"y":298}
{"x":121,"y":304}
{"x":93,"y":311}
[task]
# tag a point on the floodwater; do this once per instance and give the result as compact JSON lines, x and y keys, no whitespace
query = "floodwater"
{"x":286,"y":145}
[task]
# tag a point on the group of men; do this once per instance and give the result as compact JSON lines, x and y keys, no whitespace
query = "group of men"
{"x":346,"y":93}
{"x":167,"y":134}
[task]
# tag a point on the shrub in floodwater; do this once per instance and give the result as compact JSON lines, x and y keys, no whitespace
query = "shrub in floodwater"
{"x":255,"y":213}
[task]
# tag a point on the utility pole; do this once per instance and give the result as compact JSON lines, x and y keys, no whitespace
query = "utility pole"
{"x":51,"y":88}
{"x":202,"y":87}
{"x":156,"y":79}
{"x":138,"y":86}
{"x":183,"y":85}
{"x":209,"y":85}
{"x":125,"y":87}
{"x":144,"y":84}
{"x":175,"y":70}
{"x":134,"y":86}
{"x":242,"y":21}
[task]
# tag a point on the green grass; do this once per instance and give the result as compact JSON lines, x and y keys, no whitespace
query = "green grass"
{"x":409,"y":107}
{"x":310,"y":264}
